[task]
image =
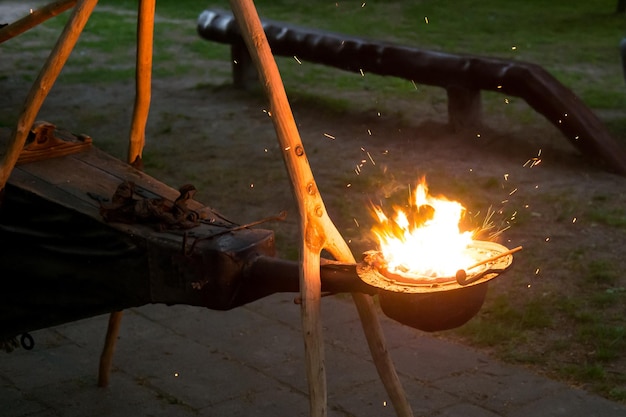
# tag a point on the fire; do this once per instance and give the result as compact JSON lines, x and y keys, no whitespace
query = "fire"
{"x":424,"y":241}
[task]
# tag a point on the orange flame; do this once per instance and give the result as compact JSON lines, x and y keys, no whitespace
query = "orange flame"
{"x":425,"y":241}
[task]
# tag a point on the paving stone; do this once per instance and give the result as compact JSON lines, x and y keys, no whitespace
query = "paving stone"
{"x":40,"y":367}
{"x":470,"y":410}
{"x":188,"y":361}
{"x":570,"y":403}
{"x":501,"y":392}
{"x":429,"y":359}
{"x":81,"y":397}
{"x":371,"y":399}
{"x":274,"y":402}
{"x":14,"y":403}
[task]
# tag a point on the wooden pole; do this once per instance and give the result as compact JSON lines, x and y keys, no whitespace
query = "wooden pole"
{"x":33,"y":19}
{"x":143,"y":80}
{"x":106,"y":357}
{"x":317,"y":230}
{"x":143,"y":88}
{"x":44,"y":82}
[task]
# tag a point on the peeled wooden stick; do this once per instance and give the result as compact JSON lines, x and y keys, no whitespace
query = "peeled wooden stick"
{"x":42,"y":85}
{"x":106,"y":357}
{"x":317,"y":230}
{"x":143,"y":80}
{"x":33,"y":19}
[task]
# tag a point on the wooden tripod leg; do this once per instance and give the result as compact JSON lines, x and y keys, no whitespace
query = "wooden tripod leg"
{"x":143,"y":80}
{"x":44,"y":82}
{"x":106,"y":358}
{"x":310,"y":292}
{"x":317,"y":230}
{"x":33,"y":19}
{"x":380,"y":355}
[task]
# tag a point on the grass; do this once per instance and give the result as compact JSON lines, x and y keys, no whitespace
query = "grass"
{"x":587,"y":34}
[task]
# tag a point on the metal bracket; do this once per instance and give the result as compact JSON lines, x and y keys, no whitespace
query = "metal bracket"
{"x":45,"y":141}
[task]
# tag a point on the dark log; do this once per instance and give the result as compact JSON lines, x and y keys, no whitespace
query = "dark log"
{"x":544,"y":93}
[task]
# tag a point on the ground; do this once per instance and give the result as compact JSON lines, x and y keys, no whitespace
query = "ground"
{"x":565,"y":290}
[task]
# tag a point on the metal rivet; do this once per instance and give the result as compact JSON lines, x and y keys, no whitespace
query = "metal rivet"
{"x":318,"y":211}
{"x":299,"y":150}
{"x":310,"y":188}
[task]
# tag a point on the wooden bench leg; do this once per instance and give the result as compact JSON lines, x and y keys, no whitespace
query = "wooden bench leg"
{"x":464,"y":108}
{"x":245,"y":75}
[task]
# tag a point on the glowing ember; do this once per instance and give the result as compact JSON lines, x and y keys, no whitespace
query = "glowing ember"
{"x":425,"y":241}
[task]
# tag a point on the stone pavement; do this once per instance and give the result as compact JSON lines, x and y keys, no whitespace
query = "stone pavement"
{"x":188,"y":361}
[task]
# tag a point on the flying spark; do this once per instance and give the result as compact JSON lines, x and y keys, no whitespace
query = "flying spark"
{"x":513,"y":48}
{"x":506,"y":101}
{"x":371,"y":159}
{"x":414,"y":85}
{"x":329,"y":136}
{"x":362,"y":73}
{"x":506,"y":177}
{"x":426,"y":19}
{"x":513,"y":192}
{"x":356,"y":222}
{"x":369,"y":132}
{"x":297,"y":60}
{"x":534,"y":162}
{"x":574,"y":220}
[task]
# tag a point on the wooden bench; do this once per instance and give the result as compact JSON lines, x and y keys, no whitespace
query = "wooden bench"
{"x":462,"y":76}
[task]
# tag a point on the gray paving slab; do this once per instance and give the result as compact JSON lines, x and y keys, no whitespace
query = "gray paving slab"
{"x":188,"y":361}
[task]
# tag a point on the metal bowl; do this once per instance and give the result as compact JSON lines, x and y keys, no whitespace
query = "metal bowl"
{"x":433,"y":304}
{"x":434,"y":311}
